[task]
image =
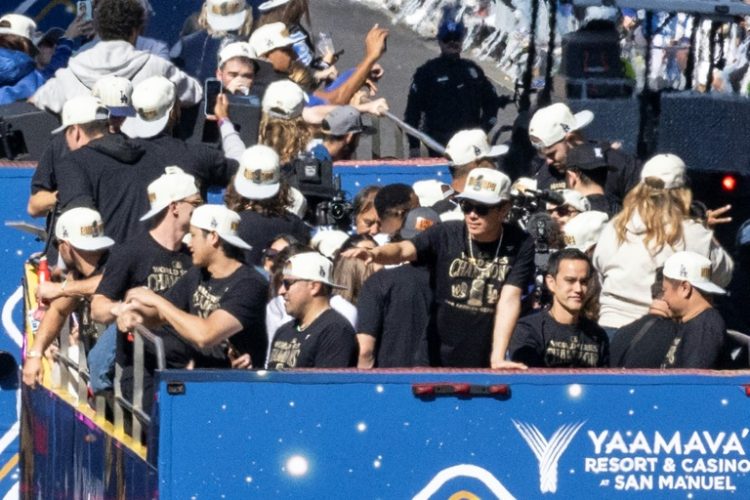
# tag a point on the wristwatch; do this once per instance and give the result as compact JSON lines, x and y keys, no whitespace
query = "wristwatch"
{"x":33,"y":354}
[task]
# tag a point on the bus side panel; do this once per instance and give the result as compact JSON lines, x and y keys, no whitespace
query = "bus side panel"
{"x":357,"y":435}
{"x":65,"y":455}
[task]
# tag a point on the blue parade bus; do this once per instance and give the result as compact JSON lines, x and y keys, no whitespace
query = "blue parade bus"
{"x":420,"y":434}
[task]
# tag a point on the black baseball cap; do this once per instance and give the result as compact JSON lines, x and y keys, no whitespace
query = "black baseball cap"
{"x":588,"y":157}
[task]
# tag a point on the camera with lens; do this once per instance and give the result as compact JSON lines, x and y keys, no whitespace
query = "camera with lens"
{"x":335,"y":213}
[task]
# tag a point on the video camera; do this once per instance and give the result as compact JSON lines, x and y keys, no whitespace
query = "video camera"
{"x":315,"y":180}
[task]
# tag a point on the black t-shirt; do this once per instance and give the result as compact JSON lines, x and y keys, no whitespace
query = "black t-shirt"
{"x":394,"y":307}
{"x":540,"y":341}
{"x":467,"y":289}
{"x":698,"y":343}
{"x":242,"y":294}
{"x":140,"y":261}
{"x":329,"y":342}
{"x":259,"y":230}
{"x":207,"y":164}
{"x":649,"y":351}
{"x":45,"y":174}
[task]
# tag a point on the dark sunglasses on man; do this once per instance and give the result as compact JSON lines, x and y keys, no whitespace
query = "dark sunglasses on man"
{"x":480,"y":209}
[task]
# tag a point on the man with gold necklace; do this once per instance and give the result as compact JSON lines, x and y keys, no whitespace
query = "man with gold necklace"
{"x":480,"y":267}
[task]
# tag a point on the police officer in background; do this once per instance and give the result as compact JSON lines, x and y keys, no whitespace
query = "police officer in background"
{"x":449,"y":94}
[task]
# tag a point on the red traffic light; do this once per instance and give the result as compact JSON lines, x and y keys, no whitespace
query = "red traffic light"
{"x":728,"y":183}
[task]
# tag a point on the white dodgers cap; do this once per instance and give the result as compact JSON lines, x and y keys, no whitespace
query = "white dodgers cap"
{"x":236,"y":49}
{"x":16,"y":24}
{"x":258,"y":177}
{"x":226,"y":15}
{"x":467,"y":146}
{"x":222,"y":221}
{"x":311,"y":266}
{"x":583,"y":230}
{"x":693,"y":268}
{"x":667,"y":167}
{"x":115,"y":92}
{"x":81,"y":109}
{"x":284,"y":99}
{"x":153,"y":99}
{"x":83,"y":229}
{"x":487,"y":186}
{"x":550,"y":125}
{"x":173,"y":185}
{"x":270,"y":36}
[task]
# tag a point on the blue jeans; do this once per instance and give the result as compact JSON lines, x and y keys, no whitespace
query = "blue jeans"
{"x":101,"y":360}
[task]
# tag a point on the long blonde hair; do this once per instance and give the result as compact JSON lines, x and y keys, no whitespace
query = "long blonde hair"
{"x":662,"y":211}
{"x":287,"y":137}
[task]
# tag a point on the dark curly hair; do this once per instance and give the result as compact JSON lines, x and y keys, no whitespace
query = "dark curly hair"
{"x":116,"y":19}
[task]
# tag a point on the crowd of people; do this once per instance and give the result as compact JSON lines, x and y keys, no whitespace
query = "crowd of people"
{"x":591,"y":259}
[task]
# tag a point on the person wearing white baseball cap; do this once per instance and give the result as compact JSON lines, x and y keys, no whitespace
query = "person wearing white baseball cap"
{"x":154,"y":101}
{"x":688,"y":288}
{"x":115,"y":92}
{"x":219,"y":299}
{"x":84,"y":119}
{"x":655,"y":222}
{"x":469,"y":146}
{"x":554,"y":131}
{"x":237,"y":68}
{"x":318,"y":336}
{"x":573,"y":204}
{"x":83,"y":248}
{"x":220,"y":23}
{"x":151,"y":128}
{"x":261,"y":198}
{"x":281,"y":125}
{"x":273,"y":43}
{"x":118,"y":24}
{"x":155,"y":259}
{"x":467,"y":150}
{"x":480,"y":266}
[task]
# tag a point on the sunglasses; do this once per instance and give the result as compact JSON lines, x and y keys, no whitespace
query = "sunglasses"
{"x":270,"y":253}
{"x":288,"y":283}
{"x":481,"y":210}
{"x":562,"y":210}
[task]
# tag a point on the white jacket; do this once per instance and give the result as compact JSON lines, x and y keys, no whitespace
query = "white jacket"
{"x":118,"y":58}
{"x":627,"y":270}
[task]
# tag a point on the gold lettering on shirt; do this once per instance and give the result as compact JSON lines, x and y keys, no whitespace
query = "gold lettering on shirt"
{"x":284,"y":354}
{"x":571,"y":352}
{"x":162,"y":277}
{"x":204,"y":301}
{"x":475,"y":280}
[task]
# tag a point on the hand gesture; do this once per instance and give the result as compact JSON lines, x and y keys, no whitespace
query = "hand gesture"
{"x":375,"y":44}
{"x":714,"y":217}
